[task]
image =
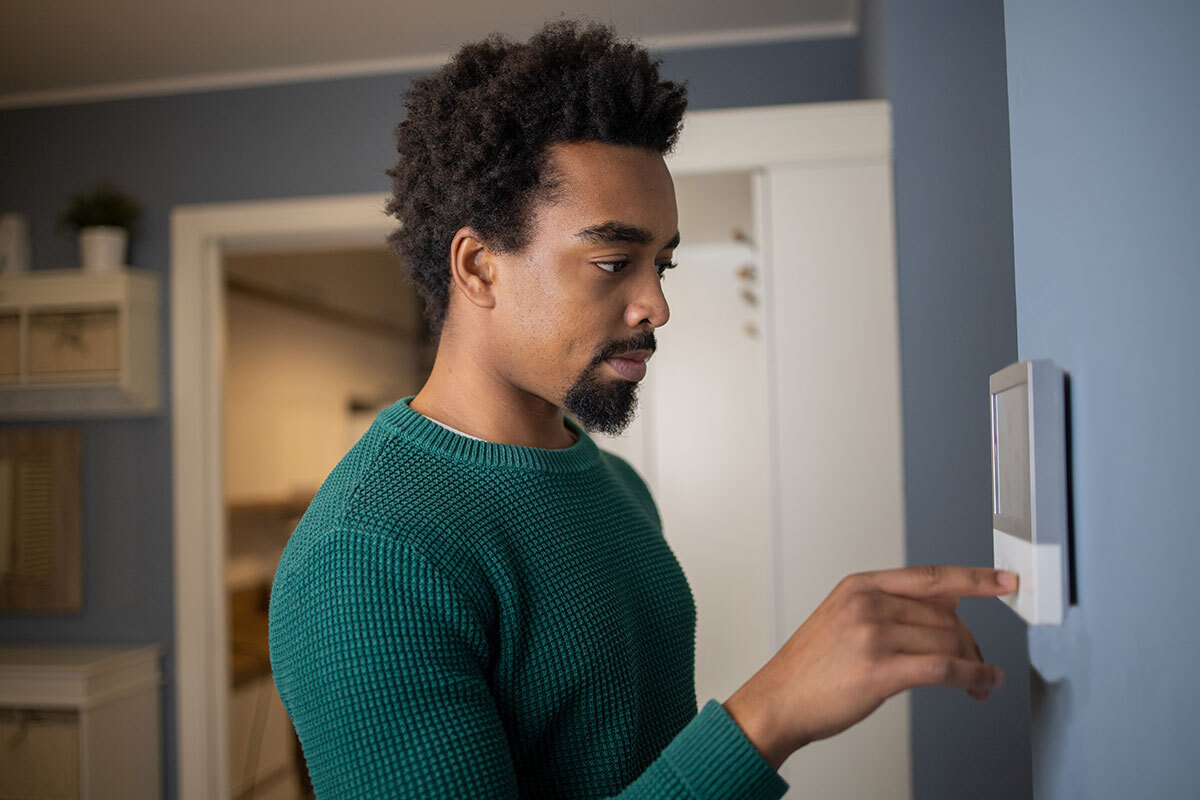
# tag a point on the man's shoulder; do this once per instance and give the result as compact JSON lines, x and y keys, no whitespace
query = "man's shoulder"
{"x":378,"y":488}
{"x":384,"y":478}
{"x":621,"y":468}
{"x":394,"y":540}
{"x":627,"y":475}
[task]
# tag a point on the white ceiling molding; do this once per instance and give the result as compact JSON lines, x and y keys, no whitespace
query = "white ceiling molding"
{"x":237,"y":79}
{"x":222,"y":80}
{"x":776,"y":33}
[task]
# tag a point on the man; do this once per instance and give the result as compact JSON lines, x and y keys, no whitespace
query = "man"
{"x":480,"y":602}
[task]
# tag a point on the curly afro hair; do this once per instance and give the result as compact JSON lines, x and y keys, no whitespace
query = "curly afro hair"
{"x":473,"y":146}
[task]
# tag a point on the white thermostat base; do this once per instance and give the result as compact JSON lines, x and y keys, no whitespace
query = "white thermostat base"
{"x":1039,"y":595}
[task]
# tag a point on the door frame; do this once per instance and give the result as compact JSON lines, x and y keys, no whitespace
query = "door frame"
{"x":751,"y":138}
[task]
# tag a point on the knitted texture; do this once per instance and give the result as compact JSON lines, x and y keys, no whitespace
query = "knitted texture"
{"x":460,"y":618}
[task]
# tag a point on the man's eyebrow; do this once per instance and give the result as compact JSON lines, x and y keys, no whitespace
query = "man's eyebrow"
{"x":615,"y":231}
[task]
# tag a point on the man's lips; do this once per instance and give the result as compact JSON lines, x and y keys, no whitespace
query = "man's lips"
{"x":630,"y":365}
{"x":634,"y":355}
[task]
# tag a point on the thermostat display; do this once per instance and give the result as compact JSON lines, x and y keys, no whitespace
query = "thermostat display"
{"x":1029,"y":486}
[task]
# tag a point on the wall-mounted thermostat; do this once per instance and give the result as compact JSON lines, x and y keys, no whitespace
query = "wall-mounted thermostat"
{"x":1029,"y":487}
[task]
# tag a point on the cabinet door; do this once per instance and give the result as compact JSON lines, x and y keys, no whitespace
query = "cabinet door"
{"x":10,"y":345}
{"x":776,"y":461}
{"x":39,"y":756}
{"x":708,"y":400}
{"x":261,"y":739}
{"x":700,"y":441}
{"x":834,"y":364}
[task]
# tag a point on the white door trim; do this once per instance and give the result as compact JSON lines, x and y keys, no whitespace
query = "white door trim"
{"x":713,"y":141}
{"x":200,"y":234}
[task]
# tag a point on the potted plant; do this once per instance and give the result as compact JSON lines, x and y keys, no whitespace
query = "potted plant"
{"x":104,"y":219}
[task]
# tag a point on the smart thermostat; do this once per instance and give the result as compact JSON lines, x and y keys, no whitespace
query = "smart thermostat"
{"x":1029,"y":487}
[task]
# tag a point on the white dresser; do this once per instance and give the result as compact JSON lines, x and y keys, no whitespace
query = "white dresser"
{"x":80,"y":721}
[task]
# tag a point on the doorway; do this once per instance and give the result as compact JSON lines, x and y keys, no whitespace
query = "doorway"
{"x":317,"y":341}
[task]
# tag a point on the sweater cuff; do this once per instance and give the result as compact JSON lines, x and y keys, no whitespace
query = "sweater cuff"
{"x":715,"y":759}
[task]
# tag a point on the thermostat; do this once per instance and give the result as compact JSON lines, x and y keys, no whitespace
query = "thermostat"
{"x":1029,"y":487}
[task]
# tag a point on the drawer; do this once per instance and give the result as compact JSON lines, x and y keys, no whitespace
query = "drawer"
{"x":70,"y":345}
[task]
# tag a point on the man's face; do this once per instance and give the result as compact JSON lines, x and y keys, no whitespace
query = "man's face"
{"x":587,"y":288}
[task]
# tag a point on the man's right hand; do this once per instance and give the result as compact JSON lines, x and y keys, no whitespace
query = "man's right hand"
{"x":876,"y":634}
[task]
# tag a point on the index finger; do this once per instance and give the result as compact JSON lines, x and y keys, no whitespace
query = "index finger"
{"x":933,"y":580}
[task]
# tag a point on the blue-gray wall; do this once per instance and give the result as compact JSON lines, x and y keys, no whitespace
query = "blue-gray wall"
{"x":873,"y":48}
{"x":1106,"y":216}
{"x":315,"y":138}
{"x":945,"y":78}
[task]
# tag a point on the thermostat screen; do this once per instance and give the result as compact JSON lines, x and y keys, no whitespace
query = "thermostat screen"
{"x":1010,"y":472}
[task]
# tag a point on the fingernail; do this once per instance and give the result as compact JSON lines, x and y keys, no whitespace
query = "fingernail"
{"x":998,"y":681}
{"x":1007,"y":579}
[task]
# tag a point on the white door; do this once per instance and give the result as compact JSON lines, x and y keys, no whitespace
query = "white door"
{"x":838,"y":503}
{"x":769,"y":432}
{"x":700,"y":437}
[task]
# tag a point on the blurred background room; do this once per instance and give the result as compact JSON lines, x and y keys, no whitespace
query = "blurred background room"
{"x":881,"y":204}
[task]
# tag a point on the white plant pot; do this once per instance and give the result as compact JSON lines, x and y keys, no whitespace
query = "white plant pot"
{"x":14,"y":242}
{"x":102,"y":247}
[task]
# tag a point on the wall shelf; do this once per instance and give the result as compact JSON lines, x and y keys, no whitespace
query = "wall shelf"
{"x":79,"y":344}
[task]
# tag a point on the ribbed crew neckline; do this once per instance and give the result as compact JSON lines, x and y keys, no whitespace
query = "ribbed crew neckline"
{"x":427,"y":434}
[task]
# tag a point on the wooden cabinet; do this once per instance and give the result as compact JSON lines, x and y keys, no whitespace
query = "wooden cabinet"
{"x":78,"y":344}
{"x":79,"y":722}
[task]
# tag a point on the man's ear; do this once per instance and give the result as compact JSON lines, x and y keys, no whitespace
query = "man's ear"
{"x":473,"y":268}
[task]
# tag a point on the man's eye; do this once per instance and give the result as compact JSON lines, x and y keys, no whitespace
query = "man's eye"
{"x":617,"y":266}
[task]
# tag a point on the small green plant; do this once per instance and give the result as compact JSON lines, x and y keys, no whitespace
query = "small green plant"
{"x":102,"y":204}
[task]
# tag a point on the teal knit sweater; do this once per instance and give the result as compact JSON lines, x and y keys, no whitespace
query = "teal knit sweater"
{"x":460,"y":618}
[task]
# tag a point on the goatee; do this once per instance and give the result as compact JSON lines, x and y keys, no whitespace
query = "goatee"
{"x":606,"y":405}
{"x":602,"y":406}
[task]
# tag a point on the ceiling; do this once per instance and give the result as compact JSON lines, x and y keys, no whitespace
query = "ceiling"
{"x":362,"y":284}
{"x":58,"y":51}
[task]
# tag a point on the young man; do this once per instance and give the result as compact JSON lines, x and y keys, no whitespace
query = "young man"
{"x":480,"y":602}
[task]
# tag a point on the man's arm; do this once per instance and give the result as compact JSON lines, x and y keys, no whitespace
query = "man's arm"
{"x":876,"y":634}
{"x":381,"y":669}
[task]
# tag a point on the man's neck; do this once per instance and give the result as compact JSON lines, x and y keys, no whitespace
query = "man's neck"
{"x":468,"y":396}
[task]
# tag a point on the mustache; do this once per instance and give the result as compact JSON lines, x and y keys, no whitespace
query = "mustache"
{"x":643,"y":341}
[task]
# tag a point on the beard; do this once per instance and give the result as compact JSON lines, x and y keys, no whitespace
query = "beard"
{"x":606,"y":405}
{"x":602,"y":406}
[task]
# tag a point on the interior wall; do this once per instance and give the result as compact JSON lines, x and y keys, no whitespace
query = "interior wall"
{"x":1106,"y":194}
{"x":873,"y":39}
{"x":304,"y":139}
{"x":946,"y":81}
{"x":290,"y":378}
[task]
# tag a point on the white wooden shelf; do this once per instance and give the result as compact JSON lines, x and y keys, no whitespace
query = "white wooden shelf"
{"x":80,"y":721}
{"x":79,"y":344}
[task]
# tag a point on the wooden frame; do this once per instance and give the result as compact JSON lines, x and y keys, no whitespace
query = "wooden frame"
{"x":47,"y":463}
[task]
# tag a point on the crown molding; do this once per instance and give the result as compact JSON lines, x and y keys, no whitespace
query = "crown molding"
{"x":241,"y":79}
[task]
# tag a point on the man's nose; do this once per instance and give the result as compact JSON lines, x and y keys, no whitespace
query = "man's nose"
{"x":649,"y":304}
